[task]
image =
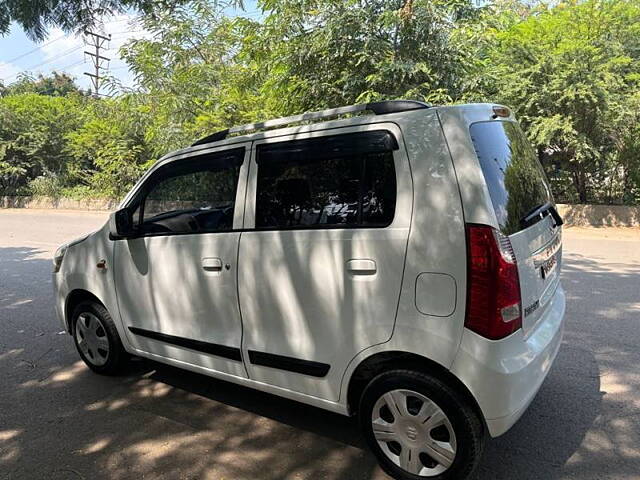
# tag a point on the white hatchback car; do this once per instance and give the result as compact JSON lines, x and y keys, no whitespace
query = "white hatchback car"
{"x":401,"y":265}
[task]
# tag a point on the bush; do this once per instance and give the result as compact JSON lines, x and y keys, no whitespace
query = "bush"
{"x":45,"y":186}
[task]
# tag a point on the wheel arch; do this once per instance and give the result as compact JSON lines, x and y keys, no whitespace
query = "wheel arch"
{"x":381,"y":362}
{"x":74,"y":298}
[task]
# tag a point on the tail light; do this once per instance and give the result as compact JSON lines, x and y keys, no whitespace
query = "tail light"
{"x":493,"y":287}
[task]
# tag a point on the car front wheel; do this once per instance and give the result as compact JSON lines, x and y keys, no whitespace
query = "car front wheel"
{"x":96,"y":338}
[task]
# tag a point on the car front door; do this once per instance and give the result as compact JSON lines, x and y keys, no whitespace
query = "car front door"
{"x":322,"y":254}
{"x":176,"y":281}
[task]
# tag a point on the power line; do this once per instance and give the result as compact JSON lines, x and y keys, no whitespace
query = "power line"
{"x":72,"y":65}
{"x":128,"y":31}
{"x":62,"y":69}
{"x":34,"y":50}
{"x":248,"y":14}
{"x":127,"y":19}
{"x":53,"y":59}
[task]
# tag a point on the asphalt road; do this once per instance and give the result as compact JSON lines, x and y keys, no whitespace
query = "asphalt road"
{"x":59,"y":421}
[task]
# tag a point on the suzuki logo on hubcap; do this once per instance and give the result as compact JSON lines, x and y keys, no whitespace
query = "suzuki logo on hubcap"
{"x":412,"y":433}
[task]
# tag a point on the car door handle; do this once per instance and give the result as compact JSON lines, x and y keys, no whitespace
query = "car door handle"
{"x":212,"y":264}
{"x":361,"y":266}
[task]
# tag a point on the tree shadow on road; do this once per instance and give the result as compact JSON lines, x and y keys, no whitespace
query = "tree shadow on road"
{"x":572,"y":428}
{"x":58,"y":420}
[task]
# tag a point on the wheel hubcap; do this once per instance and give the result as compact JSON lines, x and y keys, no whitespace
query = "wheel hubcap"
{"x":414,"y":432}
{"x":92,"y":340}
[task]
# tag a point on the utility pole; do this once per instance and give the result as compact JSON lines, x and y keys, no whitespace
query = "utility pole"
{"x":97,"y":41}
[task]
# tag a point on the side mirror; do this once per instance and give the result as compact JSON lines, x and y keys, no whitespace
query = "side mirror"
{"x":121,"y":224}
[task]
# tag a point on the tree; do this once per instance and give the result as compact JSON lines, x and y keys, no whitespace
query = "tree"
{"x":55,"y":85}
{"x":37,"y":16}
{"x":569,"y":71}
{"x":33,"y":131}
{"x":190,"y":76}
{"x":323,"y":53}
{"x":109,"y":150}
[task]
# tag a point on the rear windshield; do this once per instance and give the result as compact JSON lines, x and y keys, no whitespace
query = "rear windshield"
{"x":516,"y":181}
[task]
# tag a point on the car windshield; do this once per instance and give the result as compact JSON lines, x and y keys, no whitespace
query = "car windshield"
{"x":515,"y":179}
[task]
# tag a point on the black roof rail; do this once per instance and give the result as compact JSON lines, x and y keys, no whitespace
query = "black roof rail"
{"x":395,"y":106}
{"x":379,"y":108}
{"x":214,"y":137}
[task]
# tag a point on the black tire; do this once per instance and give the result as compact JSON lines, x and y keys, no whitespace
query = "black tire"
{"x":466,"y":424}
{"x":117,"y":357}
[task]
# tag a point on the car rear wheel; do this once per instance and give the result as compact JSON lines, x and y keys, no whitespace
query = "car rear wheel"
{"x":420,"y":428}
{"x":96,"y":338}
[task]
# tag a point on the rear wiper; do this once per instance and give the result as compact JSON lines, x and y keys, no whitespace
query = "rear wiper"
{"x":538,"y":213}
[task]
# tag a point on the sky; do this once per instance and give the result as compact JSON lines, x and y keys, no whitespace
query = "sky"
{"x":65,"y":53}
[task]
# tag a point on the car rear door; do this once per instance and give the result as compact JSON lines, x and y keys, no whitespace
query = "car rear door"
{"x":524,"y":209}
{"x":322,"y":254}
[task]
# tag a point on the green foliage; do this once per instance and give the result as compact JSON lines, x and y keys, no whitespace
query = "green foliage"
{"x":36,"y":16}
{"x":55,"y":85}
{"x":109,"y":151}
{"x":46,"y":186}
{"x":71,"y":145}
{"x":190,"y":75}
{"x":315,"y":54}
{"x":32,"y":137}
{"x":570,"y":69}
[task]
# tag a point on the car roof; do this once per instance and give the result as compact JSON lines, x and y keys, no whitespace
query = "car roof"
{"x":325,"y":119}
{"x":387,"y":111}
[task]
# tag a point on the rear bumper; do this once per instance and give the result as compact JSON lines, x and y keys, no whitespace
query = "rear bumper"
{"x":505,"y":375}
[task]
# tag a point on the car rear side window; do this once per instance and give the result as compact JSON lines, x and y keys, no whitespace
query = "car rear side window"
{"x":333,"y":181}
{"x":515,"y":179}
